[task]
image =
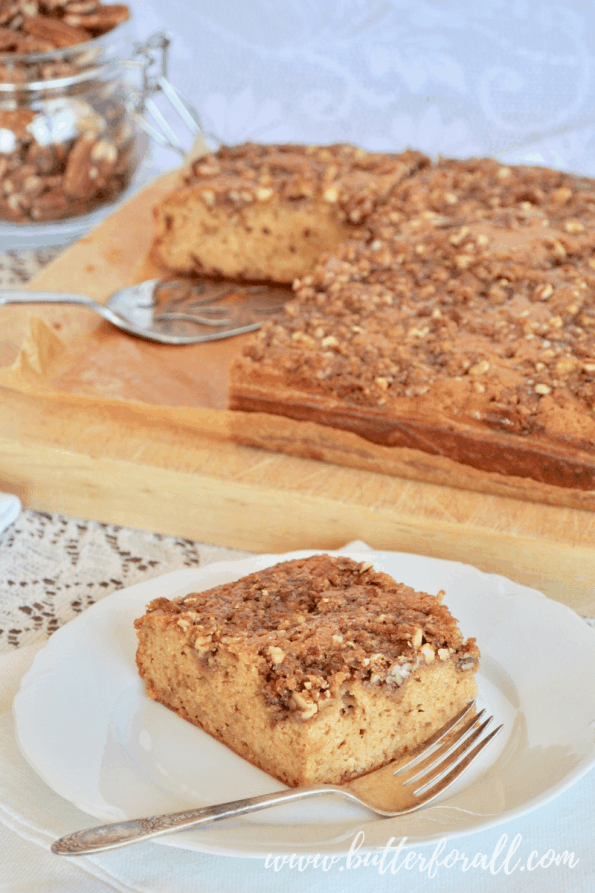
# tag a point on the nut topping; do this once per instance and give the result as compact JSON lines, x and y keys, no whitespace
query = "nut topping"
{"x":276,"y":654}
{"x":445,"y":312}
{"x":312,"y":666}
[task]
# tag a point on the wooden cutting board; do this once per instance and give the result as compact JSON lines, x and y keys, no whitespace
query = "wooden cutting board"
{"x":128,"y":463}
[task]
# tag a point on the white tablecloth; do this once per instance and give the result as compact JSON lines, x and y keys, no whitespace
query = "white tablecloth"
{"x":445,"y":76}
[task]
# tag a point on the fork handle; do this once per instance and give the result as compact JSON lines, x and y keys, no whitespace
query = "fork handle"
{"x":119,"y":834}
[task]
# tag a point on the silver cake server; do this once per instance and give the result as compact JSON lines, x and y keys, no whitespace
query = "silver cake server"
{"x":177,"y":311}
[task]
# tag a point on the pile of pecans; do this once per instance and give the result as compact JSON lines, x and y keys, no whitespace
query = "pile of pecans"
{"x":39,"y":26}
{"x":64,"y":149}
{"x":62,"y":160}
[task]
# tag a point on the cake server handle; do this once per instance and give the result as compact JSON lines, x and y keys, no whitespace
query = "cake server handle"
{"x":119,"y":834}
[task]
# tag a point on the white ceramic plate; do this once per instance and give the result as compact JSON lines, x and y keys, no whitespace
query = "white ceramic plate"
{"x":86,"y":726}
{"x":10,"y":506}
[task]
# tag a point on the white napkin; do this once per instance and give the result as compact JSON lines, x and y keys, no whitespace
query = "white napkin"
{"x":32,"y":816}
{"x":10,"y":507}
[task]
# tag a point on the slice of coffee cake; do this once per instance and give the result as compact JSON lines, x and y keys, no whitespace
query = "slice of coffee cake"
{"x":315,"y":670}
{"x":269,"y":212}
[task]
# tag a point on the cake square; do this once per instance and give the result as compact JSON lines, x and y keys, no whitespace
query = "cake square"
{"x":315,"y":670}
{"x":268,"y":212}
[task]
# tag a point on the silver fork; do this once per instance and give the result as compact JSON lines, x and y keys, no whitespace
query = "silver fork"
{"x":399,"y":787}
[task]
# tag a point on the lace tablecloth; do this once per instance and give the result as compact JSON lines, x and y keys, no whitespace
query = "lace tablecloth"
{"x":18,"y":266}
{"x":53,"y":567}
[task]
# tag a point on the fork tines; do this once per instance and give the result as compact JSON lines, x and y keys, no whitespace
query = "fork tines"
{"x":439,"y":761}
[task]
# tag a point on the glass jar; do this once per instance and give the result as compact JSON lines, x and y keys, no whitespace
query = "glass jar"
{"x":73,"y":132}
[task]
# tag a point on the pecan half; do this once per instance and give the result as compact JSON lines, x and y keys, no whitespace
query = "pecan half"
{"x":103,"y":19}
{"x":50,"y":205}
{"x":78,"y":180}
{"x":58,"y":31}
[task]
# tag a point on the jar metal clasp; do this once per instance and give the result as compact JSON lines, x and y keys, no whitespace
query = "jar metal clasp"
{"x":151,"y":58}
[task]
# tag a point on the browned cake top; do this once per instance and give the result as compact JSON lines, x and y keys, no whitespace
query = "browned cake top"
{"x":456,"y":190}
{"x":353,"y":180}
{"x":318,"y":622}
{"x":475,"y":296}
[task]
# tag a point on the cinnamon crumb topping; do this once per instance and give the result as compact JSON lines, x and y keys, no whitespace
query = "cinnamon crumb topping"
{"x":318,"y":623}
{"x":353,"y":180}
{"x":474,"y":296}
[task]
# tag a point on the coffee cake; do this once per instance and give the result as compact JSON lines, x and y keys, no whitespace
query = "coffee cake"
{"x":464,"y":327}
{"x":256,"y":212}
{"x":315,"y":670}
{"x":446,"y":308}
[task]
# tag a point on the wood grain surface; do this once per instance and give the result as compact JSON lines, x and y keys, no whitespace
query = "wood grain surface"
{"x":173,"y":471}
